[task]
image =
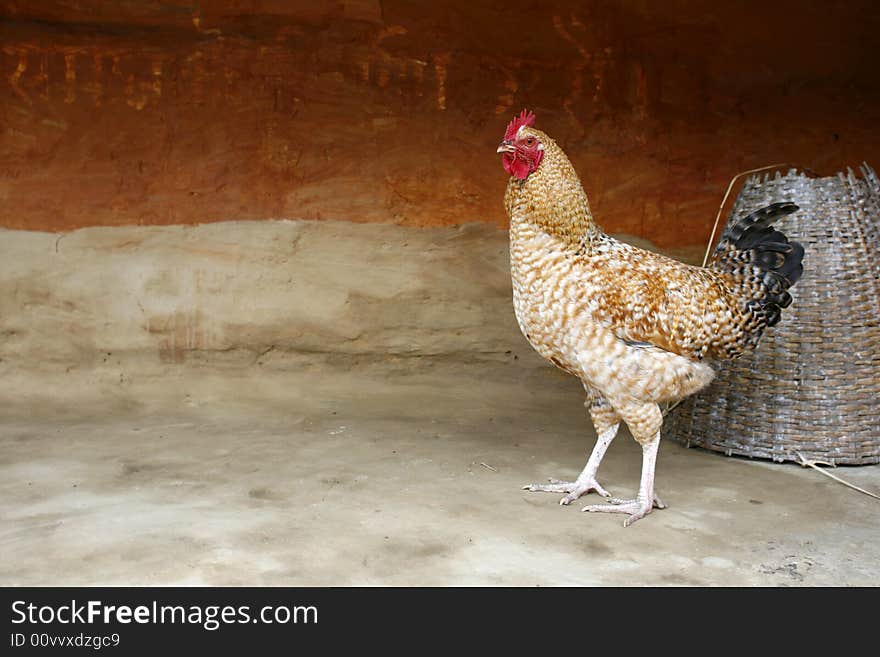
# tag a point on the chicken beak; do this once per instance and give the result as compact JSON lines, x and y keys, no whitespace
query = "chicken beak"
{"x":506,"y":147}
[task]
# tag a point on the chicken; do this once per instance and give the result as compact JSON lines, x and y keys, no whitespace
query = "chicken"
{"x":636,"y":328}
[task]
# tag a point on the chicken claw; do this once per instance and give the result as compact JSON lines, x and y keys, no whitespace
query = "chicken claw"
{"x":574,"y":489}
{"x":637,"y":508}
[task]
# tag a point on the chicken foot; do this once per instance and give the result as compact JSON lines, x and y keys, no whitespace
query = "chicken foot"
{"x":586,"y":481}
{"x":646,"y":500}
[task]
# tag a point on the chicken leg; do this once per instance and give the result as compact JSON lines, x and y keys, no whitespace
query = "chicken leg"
{"x":586,"y":480}
{"x":646,"y":500}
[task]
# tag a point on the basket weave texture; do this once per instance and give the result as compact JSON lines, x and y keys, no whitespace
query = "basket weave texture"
{"x":813,"y":384}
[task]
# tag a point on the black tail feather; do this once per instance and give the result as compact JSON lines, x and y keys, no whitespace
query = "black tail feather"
{"x":751,"y":243}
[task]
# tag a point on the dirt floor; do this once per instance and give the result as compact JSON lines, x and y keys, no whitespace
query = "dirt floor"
{"x":401,"y":474}
{"x":191,"y":451}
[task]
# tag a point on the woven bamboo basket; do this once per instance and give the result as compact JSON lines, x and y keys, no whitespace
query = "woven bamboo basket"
{"x":812,"y":386}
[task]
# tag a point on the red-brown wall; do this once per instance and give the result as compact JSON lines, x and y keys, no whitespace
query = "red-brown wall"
{"x":390,"y":111}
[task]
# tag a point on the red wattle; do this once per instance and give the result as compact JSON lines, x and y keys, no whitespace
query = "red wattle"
{"x":507,"y":162}
{"x":520,"y":169}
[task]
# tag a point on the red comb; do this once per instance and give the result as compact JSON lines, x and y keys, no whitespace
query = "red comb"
{"x":525,"y":118}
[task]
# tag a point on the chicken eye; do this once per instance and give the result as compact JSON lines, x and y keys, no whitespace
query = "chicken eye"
{"x":530,"y":141}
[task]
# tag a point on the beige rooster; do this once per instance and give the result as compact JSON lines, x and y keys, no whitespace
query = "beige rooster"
{"x":635,"y":327}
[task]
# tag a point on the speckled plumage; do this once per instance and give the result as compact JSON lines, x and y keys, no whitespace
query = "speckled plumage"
{"x":636,"y":327}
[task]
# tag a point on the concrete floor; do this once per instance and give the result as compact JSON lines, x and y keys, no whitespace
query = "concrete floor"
{"x":398,"y":472}
{"x":311,"y":403}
